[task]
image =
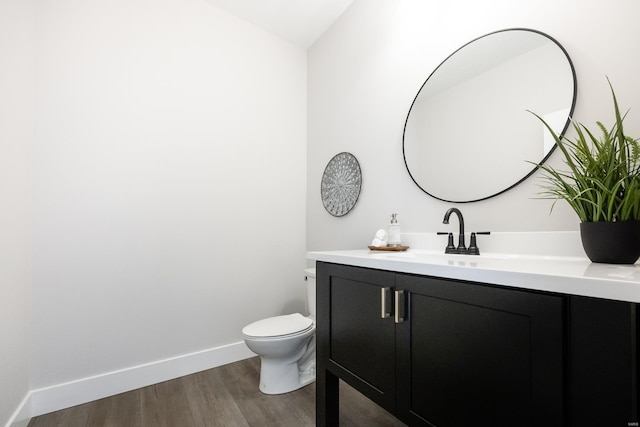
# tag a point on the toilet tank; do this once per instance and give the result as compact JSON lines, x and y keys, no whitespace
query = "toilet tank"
{"x":310,"y":279}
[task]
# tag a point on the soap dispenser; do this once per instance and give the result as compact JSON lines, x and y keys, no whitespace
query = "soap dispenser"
{"x":393,"y":234}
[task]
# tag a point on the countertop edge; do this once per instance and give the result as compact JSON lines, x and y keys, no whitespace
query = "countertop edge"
{"x":596,"y":281}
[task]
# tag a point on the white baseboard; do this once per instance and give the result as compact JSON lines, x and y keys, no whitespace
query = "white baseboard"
{"x":22,"y":414}
{"x":60,"y":396}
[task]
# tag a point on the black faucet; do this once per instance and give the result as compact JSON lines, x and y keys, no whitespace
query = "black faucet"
{"x":462,"y":248}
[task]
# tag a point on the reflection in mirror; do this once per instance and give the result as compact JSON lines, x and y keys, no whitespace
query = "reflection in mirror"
{"x":468,"y":135}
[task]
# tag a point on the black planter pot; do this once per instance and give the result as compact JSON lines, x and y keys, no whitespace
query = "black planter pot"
{"x":611,"y":242}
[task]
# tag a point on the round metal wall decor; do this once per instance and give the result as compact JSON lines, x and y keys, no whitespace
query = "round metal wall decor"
{"x":341,"y":183}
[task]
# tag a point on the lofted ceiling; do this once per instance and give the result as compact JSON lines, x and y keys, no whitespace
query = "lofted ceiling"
{"x":300,"y":22}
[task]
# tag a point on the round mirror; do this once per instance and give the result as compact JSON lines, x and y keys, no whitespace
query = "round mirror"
{"x":468,"y":135}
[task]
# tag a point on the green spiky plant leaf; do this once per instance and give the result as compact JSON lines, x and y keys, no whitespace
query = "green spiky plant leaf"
{"x":602,"y":182}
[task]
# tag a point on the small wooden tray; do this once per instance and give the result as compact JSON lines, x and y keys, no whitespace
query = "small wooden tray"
{"x":388,"y":248}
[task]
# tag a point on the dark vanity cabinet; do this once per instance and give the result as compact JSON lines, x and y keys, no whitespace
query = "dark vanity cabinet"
{"x":439,"y":352}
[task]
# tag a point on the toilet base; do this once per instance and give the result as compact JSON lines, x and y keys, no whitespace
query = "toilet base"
{"x":277,"y":377}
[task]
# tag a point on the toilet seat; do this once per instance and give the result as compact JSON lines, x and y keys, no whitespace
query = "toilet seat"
{"x":278,"y":326}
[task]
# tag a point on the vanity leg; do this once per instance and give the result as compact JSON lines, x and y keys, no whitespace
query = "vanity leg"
{"x":327,"y":399}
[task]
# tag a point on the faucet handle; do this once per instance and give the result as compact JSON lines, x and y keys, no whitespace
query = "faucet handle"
{"x":473,"y":247}
{"x":450,"y":249}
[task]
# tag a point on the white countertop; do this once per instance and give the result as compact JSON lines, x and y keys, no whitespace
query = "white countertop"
{"x":573,"y":275}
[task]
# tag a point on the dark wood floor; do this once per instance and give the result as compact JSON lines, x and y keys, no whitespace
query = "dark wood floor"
{"x":223,"y":396}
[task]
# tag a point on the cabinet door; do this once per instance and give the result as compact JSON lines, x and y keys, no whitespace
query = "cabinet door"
{"x":479,"y":355}
{"x":603,"y":363}
{"x":361,"y":343}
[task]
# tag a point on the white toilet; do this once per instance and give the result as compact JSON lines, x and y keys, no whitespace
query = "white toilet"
{"x":286,"y":346}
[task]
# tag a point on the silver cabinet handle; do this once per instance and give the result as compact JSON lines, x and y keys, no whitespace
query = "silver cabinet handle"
{"x":385,"y":303}
{"x":400,"y":307}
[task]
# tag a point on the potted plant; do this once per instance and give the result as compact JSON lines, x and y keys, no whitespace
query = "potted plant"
{"x":602,"y":185}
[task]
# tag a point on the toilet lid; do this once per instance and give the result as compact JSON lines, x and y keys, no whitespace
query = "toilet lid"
{"x":278,"y":325}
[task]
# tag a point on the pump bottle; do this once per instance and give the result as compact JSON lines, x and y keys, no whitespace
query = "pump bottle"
{"x":394,"y":232}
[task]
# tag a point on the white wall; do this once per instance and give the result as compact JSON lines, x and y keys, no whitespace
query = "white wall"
{"x":16,"y":139}
{"x":169,"y":184}
{"x":365,"y":71}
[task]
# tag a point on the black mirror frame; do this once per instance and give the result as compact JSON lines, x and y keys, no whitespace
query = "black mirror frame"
{"x":546,"y":157}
